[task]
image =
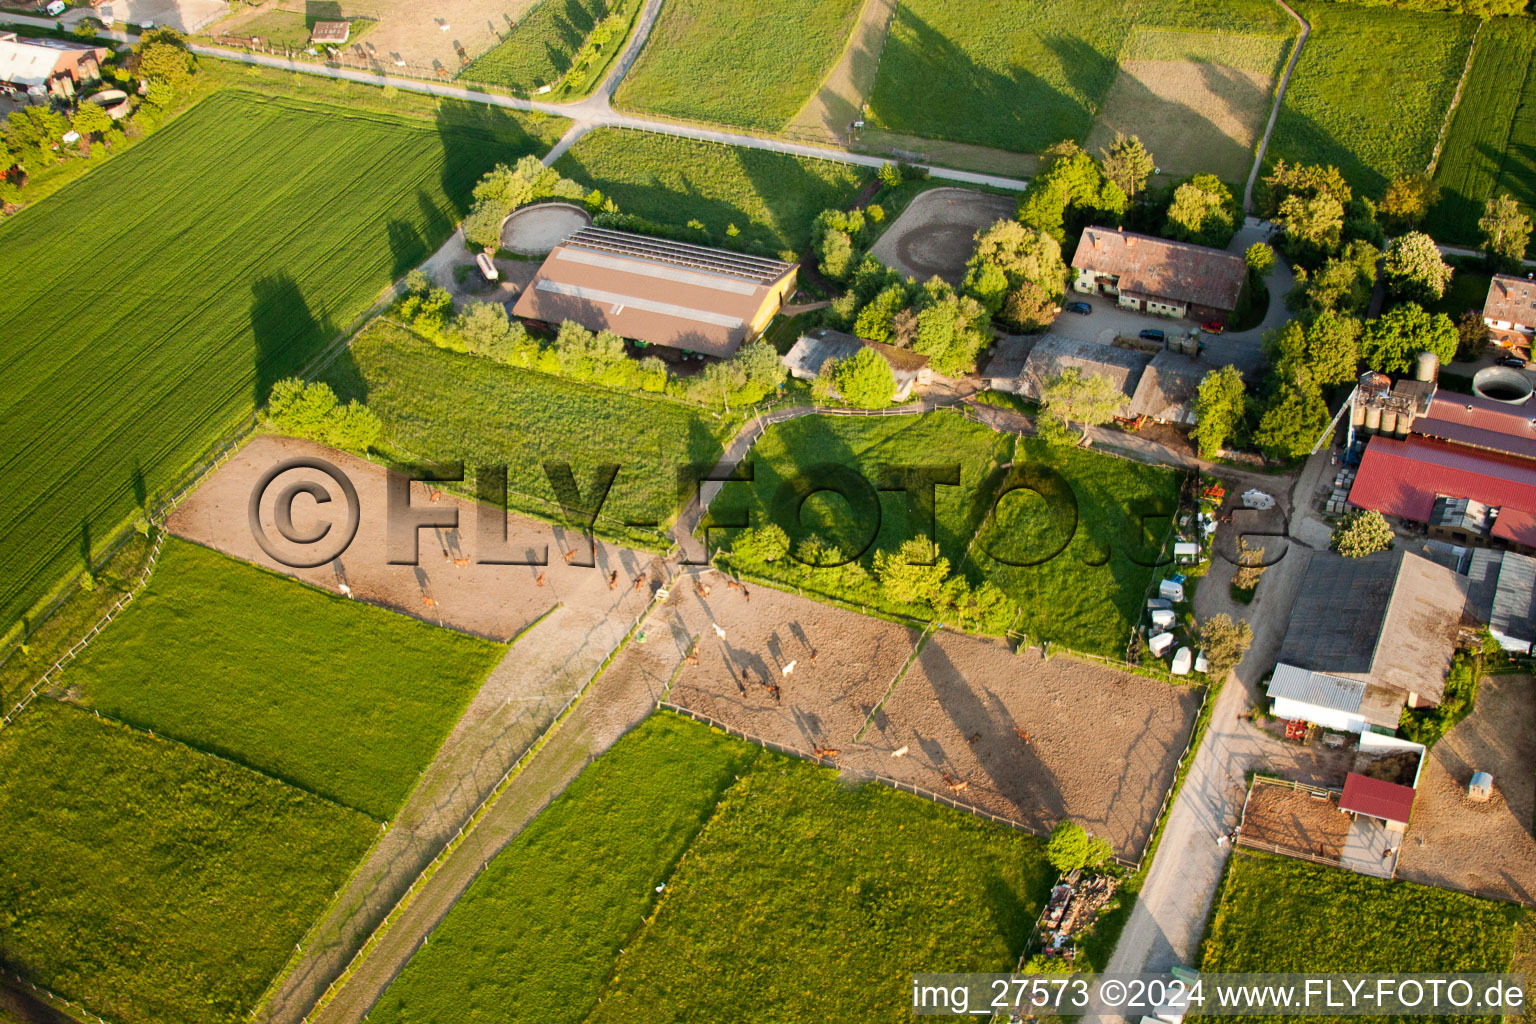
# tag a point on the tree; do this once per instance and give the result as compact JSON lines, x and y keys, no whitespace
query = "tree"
{"x":1071,"y":180}
{"x":1505,"y":229}
{"x":1028,"y":308}
{"x":1219,"y":408}
{"x":915,"y":574}
{"x":1224,"y":642}
{"x":1392,"y":342}
{"x":1415,"y":269}
{"x":91,"y":119}
{"x":162,"y":56}
{"x":300,"y":409}
{"x":1294,"y":417}
{"x":34,"y":131}
{"x":1203,"y":211}
{"x":1067,"y":847}
{"x":1313,"y":225}
{"x":1288,"y":180}
{"x":824,"y":387}
{"x":1342,"y":284}
{"x":759,"y":546}
{"x":1127,"y":163}
{"x":1360,"y":533}
{"x":1472,"y":335}
{"x":1260,"y":258}
{"x":485,"y":330}
{"x":503,"y":189}
{"x":1407,"y":201}
{"x":353,"y":427}
{"x":1250,"y":566}
{"x":1008,"y":254}
{"x":717,"y":383}
{"x":762,"y":371}
{"x":836,"y":237}
{"x":1327,"y":350}
{"x":865,"y":380}
{"x":1073,"y":396}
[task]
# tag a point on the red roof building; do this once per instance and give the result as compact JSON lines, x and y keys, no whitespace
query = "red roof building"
{"x":1374,"y":798}
{"x":1403,"y":478}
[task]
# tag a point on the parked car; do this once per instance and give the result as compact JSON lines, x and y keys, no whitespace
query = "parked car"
{"x":1080,"y":308}
{"x":1514,"y":361}
{"x":1213,"y":327}
{"x":1153,"y":335}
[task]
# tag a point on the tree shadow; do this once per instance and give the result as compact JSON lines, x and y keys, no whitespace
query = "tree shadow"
{"x":321,"y":10}
{"x":476,"y":137}
{"x":286,"y":332}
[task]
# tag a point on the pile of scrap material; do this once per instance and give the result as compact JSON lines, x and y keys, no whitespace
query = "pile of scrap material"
{"x":1073,"y":906}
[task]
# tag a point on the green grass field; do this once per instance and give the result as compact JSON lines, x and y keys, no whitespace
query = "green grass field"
{"x":569,"y":891}
{"x":341,"y":699}
{"x":1089,"y":596}
{"x":869,"y":445}
{"x":1024,"y":75}
{"x":771,"y":198}
{"x":751,"y":63}
{"x":541,"y":46}
{"x":1491,"y":146}
{"x":1370,"y":91}
{"x":150,"y":305}
{"x":443,"y":406}
{"x":1275,"y":914}
{"x":788,"y":892}
{"x":153,"y":883}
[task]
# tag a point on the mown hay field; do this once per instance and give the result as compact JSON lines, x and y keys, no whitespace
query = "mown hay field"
{"x":444,"y":406}
{"x":786,"y":890}
{"x":751,"y":63}
{"x":152,"y":883}
{"x":539,"y":49}
{"x":1491,"y":146}
{"x":1280,"y":915}
{"x":1095,"y":525}
{"x":209,"y":654}
{"x":1370,"y":91}
{"x":1024,"y":75}
{"x":770,"y":198}
{"x":150,"y":305}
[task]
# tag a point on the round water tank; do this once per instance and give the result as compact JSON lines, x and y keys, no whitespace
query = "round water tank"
{"x":1404,"y":423}
{"x":1357,"y":415}
{"x":1428,"y":367}
{"x":1389,"y":421}
{"x":1502,"y":384}
{"x":1372,"y":419}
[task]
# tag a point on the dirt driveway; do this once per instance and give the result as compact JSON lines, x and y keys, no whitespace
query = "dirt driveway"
{"x":1483,"y":847}
{"x":449,"y":585}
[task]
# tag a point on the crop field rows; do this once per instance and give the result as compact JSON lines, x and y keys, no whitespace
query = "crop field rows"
{"x":623,"y":901}
{"x":220,"y":256}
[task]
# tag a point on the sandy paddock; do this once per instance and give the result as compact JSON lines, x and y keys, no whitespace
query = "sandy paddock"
{"x":936,"y":233}
{"x":1455,"y":842}
{"x":1295,"y":820}
{"x":535,"y":230}
{"x":497,"y":601}
{"x":822,"y":702}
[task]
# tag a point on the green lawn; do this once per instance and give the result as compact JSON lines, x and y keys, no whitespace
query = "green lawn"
{"x":1275,"y":914}
{"x":444,"y":406}
{"x":154,"y":884}
{"x":751,"y":63}
{"x":291,"y":29}
{"x":1371,"y":90}
{"x":342,"y":699}
{"x":789,"y":895}
{"x":540,"y":48}
{"x":868,"y":445}
{"x":149,"y":306}
{"x":566,"y":895}
{"x":1023,"y":75}
{"x":1089,"y":596}
{"x":771,"y":198}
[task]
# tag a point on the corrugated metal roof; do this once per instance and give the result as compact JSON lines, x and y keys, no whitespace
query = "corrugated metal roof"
{"x":1403,"y":478}
{"x":1483,"y":581}
{"x":1375,"y":798}
{"x":1339,"y":612}
{"x":1514,"y":599}
{"x":1480,"y":422}
{"x":1316,"y":688}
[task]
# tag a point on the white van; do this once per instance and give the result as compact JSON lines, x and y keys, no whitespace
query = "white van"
{"x":56,"y":8}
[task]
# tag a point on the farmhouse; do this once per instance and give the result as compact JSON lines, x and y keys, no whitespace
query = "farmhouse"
{"x":48,"y":66}
{"x":805,"y":359}
{"x":658,"y":291}
{"x":1510,"y":310}
{"x":1367,"y":638}
{"x":1053,"y":353}
{"x":1154,"y":275}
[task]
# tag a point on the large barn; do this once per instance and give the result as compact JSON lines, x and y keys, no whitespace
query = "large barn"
{"x":658,"y":291}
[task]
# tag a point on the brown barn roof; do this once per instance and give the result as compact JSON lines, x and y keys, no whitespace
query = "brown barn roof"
{"x":1158,"y":268}
{"x":1511,"y":298}
{"x":330,"y":32}
{"x":653,"y":290}
{"x":1053,"y":353}
{"x":1168,"y":388}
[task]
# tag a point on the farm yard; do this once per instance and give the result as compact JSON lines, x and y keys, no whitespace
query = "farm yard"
{"x":750,"y":63}
{"x":1022,"y":76}
{"x":439,"y":405}
{"x":134,"y":372}
{"x":1370,"y":91}
{"x":770,"y":198}
{"x":352,"y":714}
{"x":1492,"y":136}
{"x":148,"y":881}
{"x":710,"y":817}
{"x":1275,"y":914}
{"x":1458,"y":843}
{"x":1088,"y":596}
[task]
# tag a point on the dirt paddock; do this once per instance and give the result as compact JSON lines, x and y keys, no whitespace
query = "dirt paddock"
{"x":535,"y":230}
{"x":1458,"y":843}
{"x":936,"y":233}
{"x":448,"y":585}
{"x":1021,"y":737}
{"x":1295,"y":820}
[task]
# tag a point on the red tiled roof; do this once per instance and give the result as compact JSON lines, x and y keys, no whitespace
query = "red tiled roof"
{"x":1378,"y":799}
{"x":1402,"y":478}
{"x":1162,"y":269}
{"x":1474,"y":420}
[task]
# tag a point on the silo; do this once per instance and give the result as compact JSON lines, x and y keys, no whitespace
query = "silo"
{"x":1389,"y":421}
{"x":1356,"y":414}
{"x":1428,"y":367}
{"x":1404,"y":422}
{"x":1372,"y":419}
